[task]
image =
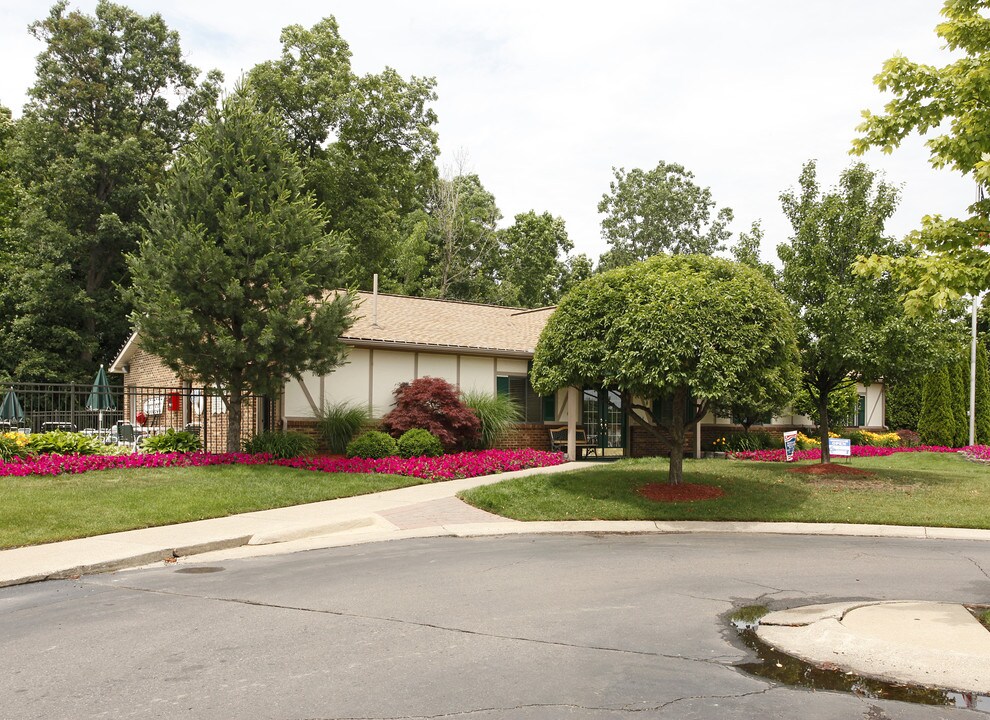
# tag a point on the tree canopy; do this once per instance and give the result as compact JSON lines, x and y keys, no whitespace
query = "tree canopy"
{"x":948,"y":103}
{"x":112,"y":100}
{"x":649,"y":212}
{"x":231,"y":274}
{"x":849,"y":327}
{"x":530,"y":268}
{"x":688,"y":327}
{"x":367,"y":143}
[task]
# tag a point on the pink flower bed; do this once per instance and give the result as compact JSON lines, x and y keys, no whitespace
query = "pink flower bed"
{"x":446,"y":467}
{"x":980,"y":451}
{"x":977,"y":453}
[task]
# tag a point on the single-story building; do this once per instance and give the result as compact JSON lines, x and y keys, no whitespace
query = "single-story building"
{"x":397,"y":339}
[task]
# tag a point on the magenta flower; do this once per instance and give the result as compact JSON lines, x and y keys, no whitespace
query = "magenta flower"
{"x":974,"y":452}
{"x":445,"y":467}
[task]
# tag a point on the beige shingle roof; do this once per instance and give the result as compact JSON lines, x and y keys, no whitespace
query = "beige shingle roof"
{"x":406,"y":320}
{"x":429,"y":323}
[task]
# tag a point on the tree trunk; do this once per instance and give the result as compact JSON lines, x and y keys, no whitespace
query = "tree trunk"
{"x":823,"y":421}
{"x":234,"y":422}
{"x":676,"y":474}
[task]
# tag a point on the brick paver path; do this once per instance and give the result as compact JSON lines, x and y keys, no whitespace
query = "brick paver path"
{"x":446,"y":511}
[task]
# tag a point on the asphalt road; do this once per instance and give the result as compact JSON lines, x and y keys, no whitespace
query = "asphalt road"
{"x":517,"y":627}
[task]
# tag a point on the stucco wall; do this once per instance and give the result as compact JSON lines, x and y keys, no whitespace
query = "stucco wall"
{"x":369,"y":378}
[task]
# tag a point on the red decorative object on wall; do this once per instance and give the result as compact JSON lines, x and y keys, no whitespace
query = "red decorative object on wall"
{"x":140,"y":418}
{"x":174,"y":402}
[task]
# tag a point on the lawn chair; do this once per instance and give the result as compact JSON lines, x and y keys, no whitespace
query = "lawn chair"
{"x":125,"y":435}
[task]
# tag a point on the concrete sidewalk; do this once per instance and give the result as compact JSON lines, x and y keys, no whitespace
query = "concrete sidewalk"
{"x":921,"y":643}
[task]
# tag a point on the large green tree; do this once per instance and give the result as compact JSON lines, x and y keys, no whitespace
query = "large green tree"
{"x":462,"y":241}
{"x":849,"y":327}
{"x":230,"y":279}
{"x":948,"y":104}
{"x":112,"y":100}
{"x":367,"y":143}
{"x":530,"y":267}
{"x":688,"y":329}
{"x":649,"y":212}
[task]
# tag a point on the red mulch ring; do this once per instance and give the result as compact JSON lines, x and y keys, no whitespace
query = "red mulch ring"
{"x":830,"y":469}
{"x":685,"y":492}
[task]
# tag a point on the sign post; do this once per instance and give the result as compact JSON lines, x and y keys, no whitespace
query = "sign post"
{"x":790,"y":444}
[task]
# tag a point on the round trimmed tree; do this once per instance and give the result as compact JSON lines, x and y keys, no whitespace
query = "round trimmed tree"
{"x":692,"y":328}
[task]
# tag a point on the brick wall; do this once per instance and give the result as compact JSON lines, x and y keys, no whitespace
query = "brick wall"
{"x":526,"y":435}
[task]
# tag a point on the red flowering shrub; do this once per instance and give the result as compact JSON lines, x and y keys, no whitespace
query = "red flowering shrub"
{"x":433,"y":404}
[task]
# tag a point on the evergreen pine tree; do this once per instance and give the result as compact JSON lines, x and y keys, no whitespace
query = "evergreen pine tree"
{"x":982,"y":395}
{"x":959,"y":377}
{"x":903,"y":403}
{"x":230,"y":284}
{"x":937,"y":425}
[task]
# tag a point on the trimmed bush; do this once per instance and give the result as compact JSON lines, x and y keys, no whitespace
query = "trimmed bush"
{"x":909,"y":438}
{"x":959,"y":378}
{"x":419,"y":443}
{"x":982,"y":396}
{"x":338,"y":424}
{"x":281,"y":444}
{"x":59,"y":442}
{"x":937,"y":424}
{"x":903,"y":403}
{"x":373,"y":444}
{"x":433,"y":404}
{"x":171,"y":441}
{"x":497,"y":414}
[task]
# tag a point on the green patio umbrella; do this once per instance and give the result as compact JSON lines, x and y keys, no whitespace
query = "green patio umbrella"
{"x":11,"y":408}
{"x":100,"y":397}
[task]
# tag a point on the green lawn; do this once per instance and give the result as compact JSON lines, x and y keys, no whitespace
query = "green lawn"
{"x":45,"y":509}
{"x":908,"y":489}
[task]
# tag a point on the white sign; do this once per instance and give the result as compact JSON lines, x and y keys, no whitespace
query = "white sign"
{"x":155,"y":405}
{"x":840,"y":447}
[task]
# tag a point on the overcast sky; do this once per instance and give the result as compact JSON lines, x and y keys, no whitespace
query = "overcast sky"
{"x":546,"y":97}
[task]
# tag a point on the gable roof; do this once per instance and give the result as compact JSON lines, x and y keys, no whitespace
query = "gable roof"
{"x":416,"y":323}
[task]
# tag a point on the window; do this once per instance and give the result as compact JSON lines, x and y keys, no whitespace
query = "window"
{"x":663,"y":408}
{"x":535,"y":408}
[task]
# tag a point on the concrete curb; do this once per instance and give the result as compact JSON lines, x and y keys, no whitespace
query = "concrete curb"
{"x":129,"y":561}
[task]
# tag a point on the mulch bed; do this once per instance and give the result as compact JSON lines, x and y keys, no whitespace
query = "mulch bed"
{"x":830,"y":469}
{"x":685,"y":492}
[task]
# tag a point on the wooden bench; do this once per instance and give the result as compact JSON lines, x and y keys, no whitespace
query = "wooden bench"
{"x":558,"y":441}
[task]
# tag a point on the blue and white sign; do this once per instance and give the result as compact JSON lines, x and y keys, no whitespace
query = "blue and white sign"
{"x":839,"y":447}
{"x":790,"y":444}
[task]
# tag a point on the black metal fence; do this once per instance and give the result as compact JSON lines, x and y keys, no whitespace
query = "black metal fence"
{"x":149,"y":410}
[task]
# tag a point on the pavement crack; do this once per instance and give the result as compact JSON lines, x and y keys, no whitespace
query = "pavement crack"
{"x":531,"y":706}
{"x":426,"y":625}
{"x":978,"y":566}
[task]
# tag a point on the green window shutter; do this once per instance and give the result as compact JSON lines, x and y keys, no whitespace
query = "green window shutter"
{"x":502,"y":385}
{"x":550,"y":408}
{"x":861,"y":415}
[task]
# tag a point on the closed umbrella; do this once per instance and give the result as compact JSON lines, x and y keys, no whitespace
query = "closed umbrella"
{"x":100,"y":397}
{"x":11,"y":409}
